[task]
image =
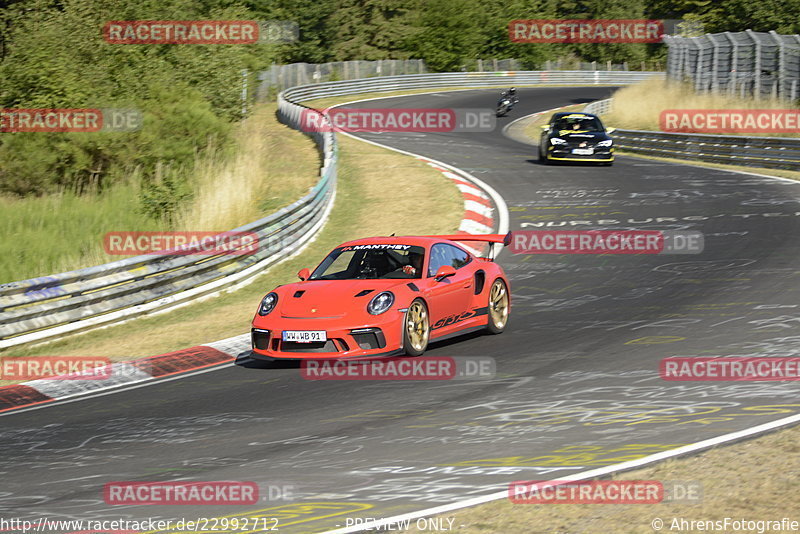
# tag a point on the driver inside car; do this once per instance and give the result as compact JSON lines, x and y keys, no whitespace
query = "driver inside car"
{"x":414,"y":266}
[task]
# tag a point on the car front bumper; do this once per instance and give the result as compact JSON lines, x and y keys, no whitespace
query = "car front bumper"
{"x":346,"y":338}
{"x":556,"y":153}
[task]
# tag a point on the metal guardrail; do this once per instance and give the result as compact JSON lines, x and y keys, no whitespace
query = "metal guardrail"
{"x":765,"y":152}
{"x":51,"y":306}
{"x":467,"y":80}
{"x":599,"y":107}
{"x":46,"y":307}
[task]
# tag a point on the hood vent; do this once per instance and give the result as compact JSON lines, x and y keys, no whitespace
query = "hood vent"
{"x":298,"y":294}
{"x":364,"y":292}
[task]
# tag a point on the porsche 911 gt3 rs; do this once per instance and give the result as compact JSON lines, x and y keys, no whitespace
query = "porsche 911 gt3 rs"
{"x":384,"y":296}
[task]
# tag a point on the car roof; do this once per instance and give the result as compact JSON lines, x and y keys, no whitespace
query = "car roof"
{"x":420,"y":241}
{"x":561,"y":114}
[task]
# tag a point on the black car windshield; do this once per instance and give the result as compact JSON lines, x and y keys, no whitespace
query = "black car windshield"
{"x":579,"y":124}
{"x":356,"y":262}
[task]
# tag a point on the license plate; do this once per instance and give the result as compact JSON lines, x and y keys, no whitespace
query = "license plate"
{"x":583,"y":151}
{"x":305,"y":336}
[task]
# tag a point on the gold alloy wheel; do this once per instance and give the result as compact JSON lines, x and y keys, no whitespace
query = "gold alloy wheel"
{"x":498,"y":304}
{"x":417,"y":330}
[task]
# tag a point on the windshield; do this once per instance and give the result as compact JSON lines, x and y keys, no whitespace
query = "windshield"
{"x":582,"y":124}
{"x":371,"y":262}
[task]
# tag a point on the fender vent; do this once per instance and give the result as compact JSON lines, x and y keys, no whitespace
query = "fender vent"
{"x":413,"y":287}
{"x":480,"y":280}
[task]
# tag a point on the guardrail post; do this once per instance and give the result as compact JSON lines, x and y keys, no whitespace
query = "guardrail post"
{"x":757,"y":65}
{"x":734,"y":63}
{"x":698,"y":81}
{"x":714,"y":64}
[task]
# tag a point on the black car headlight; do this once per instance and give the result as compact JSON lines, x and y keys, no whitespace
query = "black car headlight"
{"x":557,"y":141}
{"x":607,"y":142}
{"x":380,"y":303}
{"x":268,"y":303}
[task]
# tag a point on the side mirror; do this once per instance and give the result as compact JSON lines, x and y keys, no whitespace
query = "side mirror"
{"x":444,"y":271}
{"x":611,"y":130}
{"x":304,"y":274}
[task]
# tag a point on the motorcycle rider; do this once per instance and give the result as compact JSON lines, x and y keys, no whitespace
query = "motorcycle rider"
{"x":511,"y":95}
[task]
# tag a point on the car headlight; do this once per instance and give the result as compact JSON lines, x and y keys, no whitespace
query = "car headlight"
{"x":380,"y":303}
{"x":607,"y":142}
{"x":268,"y":303}
{"x":557,"y":141}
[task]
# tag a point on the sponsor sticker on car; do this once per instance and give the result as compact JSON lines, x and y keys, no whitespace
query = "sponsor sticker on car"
{"x":305,"y":336}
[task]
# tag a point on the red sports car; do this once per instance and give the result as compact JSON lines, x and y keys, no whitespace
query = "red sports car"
{"x":384,"y":296}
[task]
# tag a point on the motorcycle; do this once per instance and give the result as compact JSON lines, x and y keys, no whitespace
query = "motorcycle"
{"x":503,"y":107}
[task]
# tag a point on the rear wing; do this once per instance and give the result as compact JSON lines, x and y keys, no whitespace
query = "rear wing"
{"x":492,"y":239}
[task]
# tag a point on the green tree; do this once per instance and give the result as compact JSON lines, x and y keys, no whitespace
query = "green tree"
{"x":371,"y":29}
{"x":448,"y":33}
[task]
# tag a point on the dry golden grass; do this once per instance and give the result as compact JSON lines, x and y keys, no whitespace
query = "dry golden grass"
{"x":268,"y":170}
{"x":379,"y":192}
{"x":637,"y":107}
{"x":405,"y":196}
{"x":755,"y":479}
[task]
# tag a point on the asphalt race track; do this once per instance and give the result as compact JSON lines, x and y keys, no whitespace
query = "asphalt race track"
{"x":577,"y":383}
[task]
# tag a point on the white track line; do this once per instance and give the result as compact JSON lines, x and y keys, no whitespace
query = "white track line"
{"x":594,"y":473}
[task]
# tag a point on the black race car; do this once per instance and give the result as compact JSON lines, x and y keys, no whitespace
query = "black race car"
{"x":576,"y":137}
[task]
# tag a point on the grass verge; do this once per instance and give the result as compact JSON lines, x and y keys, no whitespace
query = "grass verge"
{"x":752,"y":480}
{"x":638,"y":106}
{"x":269,"y":168}
{"x":379,"y":192}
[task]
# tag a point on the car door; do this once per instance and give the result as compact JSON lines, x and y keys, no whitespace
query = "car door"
{"x":448,"y":299}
